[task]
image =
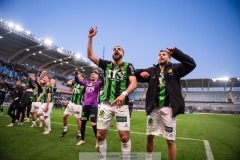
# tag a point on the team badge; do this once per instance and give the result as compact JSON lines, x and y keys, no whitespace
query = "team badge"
{"x":170,"y":72}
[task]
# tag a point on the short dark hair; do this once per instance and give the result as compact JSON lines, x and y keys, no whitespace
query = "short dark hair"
{"x":169,"y":55}
{"x":120,"y":47}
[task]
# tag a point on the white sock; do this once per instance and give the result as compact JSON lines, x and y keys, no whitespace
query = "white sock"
{"x":34,"y":123}
{"x":65,"y":128}
{"x":79,"y":133}
{"x":102,"y":149}
{"x":149,"y":156}
{"x":126,"y":149}
{"x":48,"y":125}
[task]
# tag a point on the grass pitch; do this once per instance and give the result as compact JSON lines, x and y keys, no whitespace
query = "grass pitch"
{"x":222,"y":132}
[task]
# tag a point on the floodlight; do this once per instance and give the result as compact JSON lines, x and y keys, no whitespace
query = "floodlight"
{"x":10,"y":24}
{"x":27,"y":49}
{"x":40,"y":52}
{"x":221,"y":79}
{"x":78,"y":56}
{"x":34,"y":54}
{"x":18,"y":28}
{"x":54,"y":61}
{"x":48,"y":42}
{"x":59,"y":50}
{"x":66,"y":62}
{"x":61,"y":63}
{"x":76,"y":69}
{"x":28,"y":32}
{"x":1,"y":36}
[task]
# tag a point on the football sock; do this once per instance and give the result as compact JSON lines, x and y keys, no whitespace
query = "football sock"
{"x":65,"y":128}
{"x":83,"y":130}
{"x":126,"y":149}
{"x":95,"y":130}
{"x":102,"y":149}
{"x":149,"y":156}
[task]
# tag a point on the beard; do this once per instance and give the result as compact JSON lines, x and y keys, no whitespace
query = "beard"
{"x":117,"y":58}
{"x":163,"y":63}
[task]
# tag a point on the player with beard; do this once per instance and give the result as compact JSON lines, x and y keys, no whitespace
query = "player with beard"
{"x":164,"y":100}
{"x":75,"y":105}
{"x":120,"y":81}
{"x":46,"y":108}
{"x":90,"y":108}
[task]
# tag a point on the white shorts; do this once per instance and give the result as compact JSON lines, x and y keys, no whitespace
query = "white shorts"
{"x":106,"y":111}
{"x":35,"y":106}
{"x":75,"y":109}
{"x":160,"y":122}
{"x":42,"y":109}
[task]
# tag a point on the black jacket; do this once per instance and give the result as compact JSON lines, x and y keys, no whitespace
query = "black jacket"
{"x":26,"y":98}
{"x":17,"y":93}
{"x":172,"y":74}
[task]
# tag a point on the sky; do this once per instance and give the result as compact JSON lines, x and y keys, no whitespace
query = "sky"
{"x":206,"y":30}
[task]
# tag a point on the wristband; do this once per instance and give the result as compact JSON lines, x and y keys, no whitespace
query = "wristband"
{"x":125,"y":93}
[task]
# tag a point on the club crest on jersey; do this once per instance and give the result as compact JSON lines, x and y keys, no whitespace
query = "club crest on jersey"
{"x":170,"y":72}
{"x":122,"y":68}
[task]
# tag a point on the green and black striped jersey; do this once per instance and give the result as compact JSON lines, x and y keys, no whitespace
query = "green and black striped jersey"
{"x":35,"y":95}
{"x":162,"y":97}
{"x":78,"y":91}
{"x":47,"y":89}
{"x":116,"y":79}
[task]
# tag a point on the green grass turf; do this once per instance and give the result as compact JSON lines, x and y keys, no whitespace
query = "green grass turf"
{"x":221,"y":131}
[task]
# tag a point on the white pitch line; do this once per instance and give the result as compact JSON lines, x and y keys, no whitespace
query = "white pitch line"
{"x":208,"y":150}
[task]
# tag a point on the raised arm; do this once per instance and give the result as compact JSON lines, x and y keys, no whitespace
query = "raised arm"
{"x":78,"y":81}
{"x":187,"y":63}
{"x":70,"y":82}
{"x":90,"y":53}
{"x":42,"y":74}
{"x":30,"y":82}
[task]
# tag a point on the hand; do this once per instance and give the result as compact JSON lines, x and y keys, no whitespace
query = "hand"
{"x":171,"y":49}
{"x":144,"y":74}
{"x":32,"y":77}
{"x":46,"y":108}
{"x":118,"y":101}
{"x":44,"y":71}
{"x":5,"y":81}
{"x":92,"y":32}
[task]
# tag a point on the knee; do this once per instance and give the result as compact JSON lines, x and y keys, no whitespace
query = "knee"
{"x":65,"y":117}
{"x":170,"y":143}
{"x":100,"y":137}
{"x":124,"y":138}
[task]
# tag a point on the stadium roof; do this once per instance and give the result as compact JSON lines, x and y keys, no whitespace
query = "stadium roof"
{"x":23,"y":47}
